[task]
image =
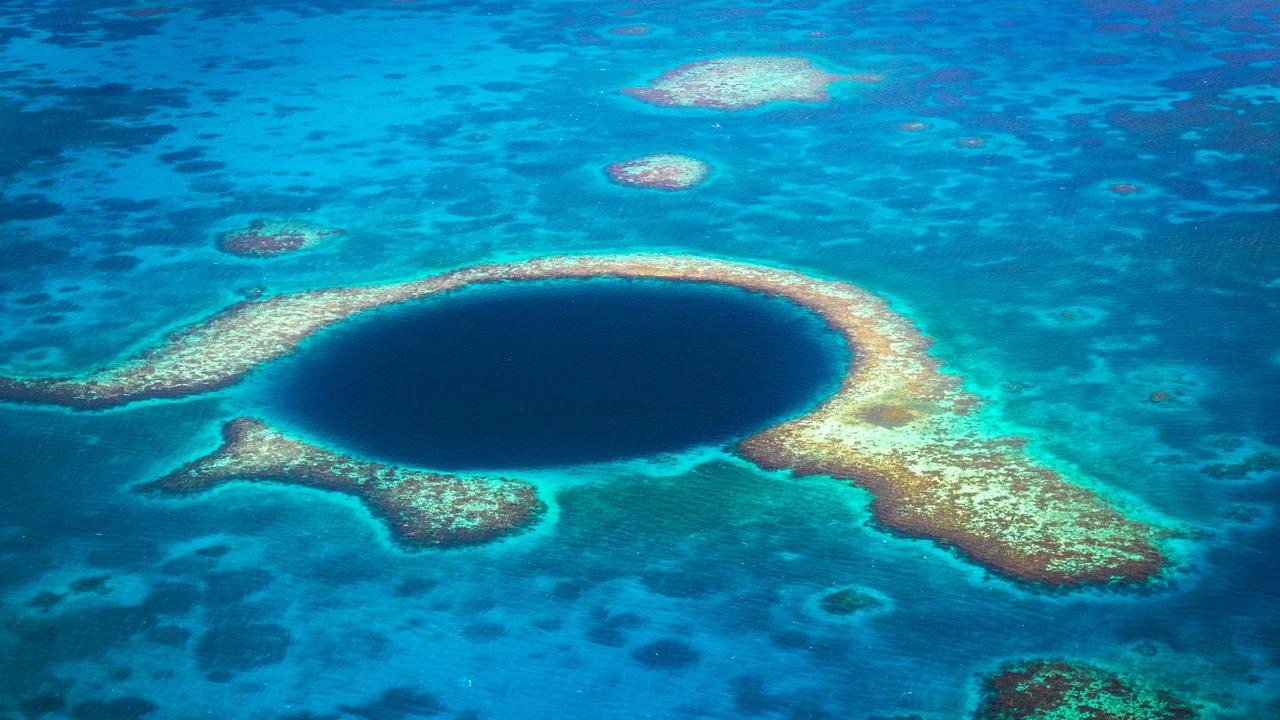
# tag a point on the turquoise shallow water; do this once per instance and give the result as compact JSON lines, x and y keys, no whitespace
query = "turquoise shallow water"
{"x":443,"y":134}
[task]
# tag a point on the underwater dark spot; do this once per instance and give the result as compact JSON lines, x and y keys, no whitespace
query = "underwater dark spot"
{"x":92,"y":583}
{"x":231,"y":646}
{"x":484,"y":631}
{"x":569,"y":590}
{"x":503,"y":86}
{"x":126,"y":205}
{"x":233,"y":586}
{"x":212,"y":187}
{"x":196,"y":167}
{"x":41,"y":705}
{"x":412,"y":586}
{"x":170,"y":635}
{"x":1256,"y":463}
{"x":45,"y":600}
{"x":221,"y":95}
{"x":117,"y":263}
{"x":28,"y":207}
{"x":172,"y":598}
{"x":213,"y":551}
{"x":284,"y":111}
{"x":125,"y":708}
{"x":625,"y":620}
{"x":48,"y":320}
{"x":256,"y":64}
{"x":750,"y":697}
{"x":183,"y":155}
{"x":667,"y":654}
{"x":680,"y":584}
{"x":397,"y":703}
{"x":395,"y":76}
{"x":453,"y":90}
{"x":33,"y":299}
{"x":606,"y":636}
{"x":550,"y":624}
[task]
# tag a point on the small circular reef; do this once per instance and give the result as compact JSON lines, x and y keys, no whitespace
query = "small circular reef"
{"x":1049,"y":689}
{"x":898,"y":425}
{"x":268,"y":238}
{"x":849,"y":601}
{"x":663,"y":171}
{"x":740,"y":82}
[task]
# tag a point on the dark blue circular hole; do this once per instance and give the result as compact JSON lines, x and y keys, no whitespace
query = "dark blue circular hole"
{"x":554,"y":373}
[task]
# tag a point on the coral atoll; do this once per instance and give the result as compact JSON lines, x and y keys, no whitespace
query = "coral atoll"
{"x":898,"y":426}
{"x":738,"y":82}
{"x":1049,"y":690}
{"x":664,"y":171}
{"x":421,"y":508}
{"x":265,"y":238}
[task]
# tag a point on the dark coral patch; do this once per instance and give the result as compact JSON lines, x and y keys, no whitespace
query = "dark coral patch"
{"x":397,"y":703}
{"x":125,"y":708}
{"x":28,"y":207}
{"x":1043,"y":689}
{"x":93,"y":583}
{"x":849,"y":602}
{"x":232,"y":646}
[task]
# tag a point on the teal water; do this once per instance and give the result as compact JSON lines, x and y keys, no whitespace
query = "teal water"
{"x":443,"y":134}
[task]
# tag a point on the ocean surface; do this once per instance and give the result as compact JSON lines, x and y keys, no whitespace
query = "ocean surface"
{"x":1103,"y":268}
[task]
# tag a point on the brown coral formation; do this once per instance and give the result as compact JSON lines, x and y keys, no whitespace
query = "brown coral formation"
{"x":897,"y":426}
{"x":421,"y":508}
{"x":1046,"y":690}
{"x":267,"y":238}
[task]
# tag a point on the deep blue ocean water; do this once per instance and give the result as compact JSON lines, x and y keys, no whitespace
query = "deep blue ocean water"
{"x":560,"y":373}
{"x":440,"y":134}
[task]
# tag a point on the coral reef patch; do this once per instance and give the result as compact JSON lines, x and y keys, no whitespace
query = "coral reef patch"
{"x":1046,"y":690}
{"x":849,"y":601}
{"x":898,"y":426}
{"x":663,"y":171}
{"x":739,"y":82}
{"x":268,"y":238}
{"x":422,"y":509}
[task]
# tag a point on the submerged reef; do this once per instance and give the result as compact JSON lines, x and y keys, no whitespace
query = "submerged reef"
{"x":423,"y":509}
{"x":739,"y":82}
{"x":663,"y":171}
{"x":266,"y":238}
{"x":849,"y":601}
{"x":1048,"y":690}
{"x":897,"y":426}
